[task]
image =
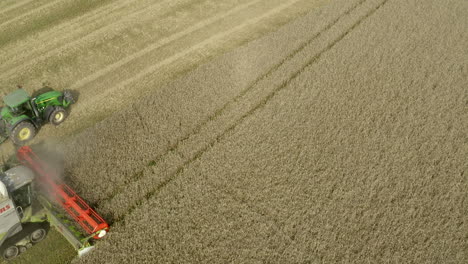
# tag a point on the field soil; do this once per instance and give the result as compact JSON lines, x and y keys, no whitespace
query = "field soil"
{"x":341,"y":137}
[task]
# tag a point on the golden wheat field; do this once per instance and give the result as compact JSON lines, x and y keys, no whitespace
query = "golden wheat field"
{"x":255,"y":131}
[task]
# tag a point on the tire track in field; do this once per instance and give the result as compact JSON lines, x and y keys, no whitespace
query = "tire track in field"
{"x":174,"y":149}
{"x":19,"y":18}
{"x":82,"y":40}
{"x":14,"y":6}
{"x":159,"y":44}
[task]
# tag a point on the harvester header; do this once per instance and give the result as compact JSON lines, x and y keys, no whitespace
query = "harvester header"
{"x":73,"y":204}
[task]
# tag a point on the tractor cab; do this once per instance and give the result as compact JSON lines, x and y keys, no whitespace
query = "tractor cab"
{"x":17,"y":103}
{"x":16,"y":98}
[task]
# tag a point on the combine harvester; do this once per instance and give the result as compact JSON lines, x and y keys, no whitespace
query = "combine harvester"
{"x":26,"y":214}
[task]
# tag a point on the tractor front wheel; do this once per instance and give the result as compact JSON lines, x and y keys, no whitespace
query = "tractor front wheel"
{"x":22,"y":133}
{"x":58,"y":116}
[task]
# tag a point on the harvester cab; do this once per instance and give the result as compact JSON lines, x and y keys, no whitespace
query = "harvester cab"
{"x":27,"y":214}
{"x":20,"y":227}
{"x":21,"y":116}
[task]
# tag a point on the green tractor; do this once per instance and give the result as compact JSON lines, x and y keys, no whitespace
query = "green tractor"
{"x":21,"y":116}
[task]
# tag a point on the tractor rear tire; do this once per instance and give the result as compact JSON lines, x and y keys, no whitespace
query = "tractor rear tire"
{"x":22,"y":133}
{"x":57,"y":116}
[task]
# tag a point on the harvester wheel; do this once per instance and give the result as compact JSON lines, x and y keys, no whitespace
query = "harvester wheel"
{"x":22,"y":133}
{"x":10,"y":252}
{"x":22,"y":249}
{"x":57,"y":116}
{"x":38,"y":235}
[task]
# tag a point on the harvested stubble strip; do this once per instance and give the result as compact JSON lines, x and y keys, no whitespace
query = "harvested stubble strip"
{"x":200,"y":100}
{"x":100,"y":45}
{"x":10,"y":9}
{"x":65,"y":32}
{"x":13,"y":9}
{"x":369,"y":166}
{"x":54,"y":12}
